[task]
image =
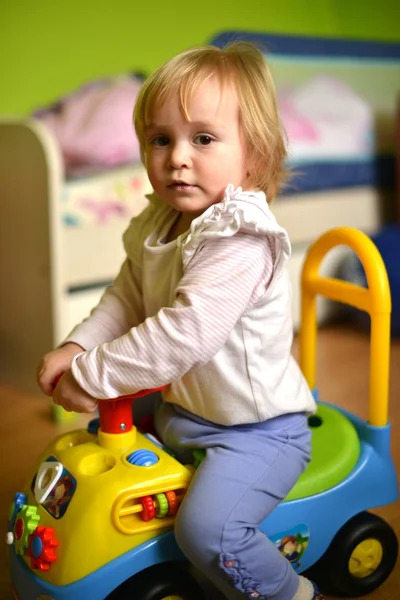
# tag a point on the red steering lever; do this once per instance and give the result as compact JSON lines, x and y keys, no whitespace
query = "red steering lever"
{"x":116,"y":413}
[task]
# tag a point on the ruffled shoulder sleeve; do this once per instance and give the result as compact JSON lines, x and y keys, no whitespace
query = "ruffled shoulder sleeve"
{"x":239,"y":211}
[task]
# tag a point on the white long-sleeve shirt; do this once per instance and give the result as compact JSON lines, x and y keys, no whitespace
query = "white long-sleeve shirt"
{"x":201,"y":313}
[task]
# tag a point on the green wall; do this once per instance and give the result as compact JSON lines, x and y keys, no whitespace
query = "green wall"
{"x":49,"y":48}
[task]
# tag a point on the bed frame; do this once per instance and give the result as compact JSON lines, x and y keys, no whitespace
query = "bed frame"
{"x":52,"y":275}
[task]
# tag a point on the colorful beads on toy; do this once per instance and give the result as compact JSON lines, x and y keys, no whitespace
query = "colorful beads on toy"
{"x":142,"y":458}
{"x":42,"y":545}
{"x":173,"y":503}
{"x":26,"y":522}
{"x":148,"y":513}
{"x":161,"y":505}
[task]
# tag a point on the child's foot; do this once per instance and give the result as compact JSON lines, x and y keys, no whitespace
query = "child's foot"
{"x":307,"y":590}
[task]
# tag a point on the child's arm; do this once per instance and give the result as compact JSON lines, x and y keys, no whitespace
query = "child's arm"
{"x":225,"y":277}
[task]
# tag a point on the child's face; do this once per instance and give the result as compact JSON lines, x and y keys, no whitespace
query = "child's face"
{"x":190,"y":163}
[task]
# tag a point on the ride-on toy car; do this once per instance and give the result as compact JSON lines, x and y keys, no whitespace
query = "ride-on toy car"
{"x":96,"y":517}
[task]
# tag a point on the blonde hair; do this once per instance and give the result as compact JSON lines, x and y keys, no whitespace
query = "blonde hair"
{"x":242,"y":65}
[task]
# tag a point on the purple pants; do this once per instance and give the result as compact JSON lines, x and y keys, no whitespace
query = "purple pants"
{"x":247,"y":471}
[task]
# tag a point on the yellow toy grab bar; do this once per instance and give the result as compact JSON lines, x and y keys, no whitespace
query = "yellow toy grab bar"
{"x":375,"y":300}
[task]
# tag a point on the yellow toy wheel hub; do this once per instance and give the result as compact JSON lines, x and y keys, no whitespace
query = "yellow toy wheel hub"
{"x":365,"y":558}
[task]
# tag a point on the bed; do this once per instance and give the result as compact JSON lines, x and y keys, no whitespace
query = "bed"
{"x":338,"y":181}
{"x":61,"y":237}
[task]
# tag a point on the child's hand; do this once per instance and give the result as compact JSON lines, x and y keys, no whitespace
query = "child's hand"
{"x":69,"y":394}
{"x":54,"y":364}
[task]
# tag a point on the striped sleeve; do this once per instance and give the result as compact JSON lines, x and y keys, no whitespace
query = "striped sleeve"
{"x":224,"y":278}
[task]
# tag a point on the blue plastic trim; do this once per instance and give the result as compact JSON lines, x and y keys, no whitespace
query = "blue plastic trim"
{"x":102,"y":582}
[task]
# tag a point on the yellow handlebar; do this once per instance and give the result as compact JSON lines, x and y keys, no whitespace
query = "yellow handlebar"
{"x":375,"y":300}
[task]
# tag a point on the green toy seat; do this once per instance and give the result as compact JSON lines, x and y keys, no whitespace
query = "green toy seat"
{"x":334,"y":454}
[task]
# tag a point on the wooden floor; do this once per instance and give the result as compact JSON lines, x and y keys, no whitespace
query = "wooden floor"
{"x":343,"y":368}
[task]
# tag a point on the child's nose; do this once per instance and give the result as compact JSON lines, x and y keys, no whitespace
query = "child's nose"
{"x":180,"y":156}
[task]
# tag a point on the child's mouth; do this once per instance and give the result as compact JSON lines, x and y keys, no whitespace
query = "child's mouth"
{"x":181,"y":186}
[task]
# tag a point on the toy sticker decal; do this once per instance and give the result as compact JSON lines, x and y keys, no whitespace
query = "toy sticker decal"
{"x":292,"y":544}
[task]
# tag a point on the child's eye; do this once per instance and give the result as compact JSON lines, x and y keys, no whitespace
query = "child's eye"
{"x":203,"y":140}
{"x":160,"y":140}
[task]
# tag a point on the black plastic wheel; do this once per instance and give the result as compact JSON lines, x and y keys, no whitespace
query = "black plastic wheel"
{"x":157,"y":583}
{"x":360,"y":558}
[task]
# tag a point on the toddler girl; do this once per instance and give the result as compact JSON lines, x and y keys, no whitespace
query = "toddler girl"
{"x":202,"y":303}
